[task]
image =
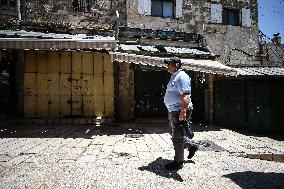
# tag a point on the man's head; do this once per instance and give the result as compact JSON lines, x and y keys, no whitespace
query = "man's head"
{"x":174,"y":63}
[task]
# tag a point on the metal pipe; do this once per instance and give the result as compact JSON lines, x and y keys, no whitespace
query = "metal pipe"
{"x":117,"y":25}
{"x":19,"y":9}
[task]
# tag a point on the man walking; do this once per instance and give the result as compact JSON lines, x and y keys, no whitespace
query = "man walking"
{"x":179,"y":105}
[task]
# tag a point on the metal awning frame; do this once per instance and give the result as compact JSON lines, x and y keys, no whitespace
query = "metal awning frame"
{"x":159,"y":62}
{"x":58,"y":44}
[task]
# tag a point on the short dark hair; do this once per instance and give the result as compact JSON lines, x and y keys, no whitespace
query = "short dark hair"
{"x":173,"y":60}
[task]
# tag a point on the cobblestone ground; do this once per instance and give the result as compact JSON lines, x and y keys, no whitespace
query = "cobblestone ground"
{"x":113,"y":157}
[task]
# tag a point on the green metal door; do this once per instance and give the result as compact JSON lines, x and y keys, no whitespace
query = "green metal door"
{"x":150,"y":87}
{"x":265,"y":106}
{"x":229,"y":104}
{"x":253,"y":105}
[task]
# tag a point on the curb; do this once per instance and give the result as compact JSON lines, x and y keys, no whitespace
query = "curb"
{"x":268,"y":157}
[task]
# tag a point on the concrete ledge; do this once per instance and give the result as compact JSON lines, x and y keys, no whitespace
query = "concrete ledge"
{"x":267,"y":157}
{"x":278,"y":157}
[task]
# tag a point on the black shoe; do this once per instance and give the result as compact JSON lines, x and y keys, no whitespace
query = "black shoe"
{"x":174,"y":165}
{"x":191,"y":151}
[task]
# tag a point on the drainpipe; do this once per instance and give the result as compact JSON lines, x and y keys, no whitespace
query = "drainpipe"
{"x":19,"y":9}
{"x":117,"y":25}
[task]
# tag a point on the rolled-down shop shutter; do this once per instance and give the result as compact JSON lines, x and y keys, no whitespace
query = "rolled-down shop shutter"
{"x":68,"y":84}
{"x":250,"y":105}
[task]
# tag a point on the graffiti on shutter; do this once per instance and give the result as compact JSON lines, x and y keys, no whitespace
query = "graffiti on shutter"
{"x":216,"y":13}
{"x":178,"y":8}
{"x":246,"y":20}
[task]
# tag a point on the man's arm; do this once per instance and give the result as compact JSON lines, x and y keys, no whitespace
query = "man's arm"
{"x":185,"y":100}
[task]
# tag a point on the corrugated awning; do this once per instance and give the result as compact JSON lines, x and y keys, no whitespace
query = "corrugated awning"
{"x":37,"y":40}
{"x":260,"y":71}
{"x":207,"y":66}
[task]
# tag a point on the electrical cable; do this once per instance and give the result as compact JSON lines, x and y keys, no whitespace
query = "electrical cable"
{"x":242,"y":51}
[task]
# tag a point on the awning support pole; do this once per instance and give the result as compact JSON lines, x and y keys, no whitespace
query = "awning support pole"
{"x":211,"y":78}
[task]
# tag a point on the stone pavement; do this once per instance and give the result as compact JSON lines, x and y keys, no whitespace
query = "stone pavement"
{"x":133,"y":156}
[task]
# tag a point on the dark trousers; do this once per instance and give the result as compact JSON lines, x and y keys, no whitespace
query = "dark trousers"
{"x":178,"y":133}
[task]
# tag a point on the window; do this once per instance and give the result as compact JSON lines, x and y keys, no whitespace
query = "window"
{"x":81,"y":5}
{"x":231,"y":17}
{"x":4,"y":2}
{"x":162,"y":8}
{"x":12,"y":3}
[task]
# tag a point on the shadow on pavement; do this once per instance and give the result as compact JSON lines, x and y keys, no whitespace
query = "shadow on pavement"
{"x":257,"y":180}
{"x":157,"y":167}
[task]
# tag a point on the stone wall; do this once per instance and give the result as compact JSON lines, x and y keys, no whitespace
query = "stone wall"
{"x":100,"y":14}
{"x":196,"y":17}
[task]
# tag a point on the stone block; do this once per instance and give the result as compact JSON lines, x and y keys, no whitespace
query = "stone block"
{"x":64,"y":121}
{"x":266,"y":157}
{"x":278,"y":157}
{"x":83,"y":121}
{"x":253,"y":156}
{"x":56,"y":121}
{"x":76,"y":121}
{"x":50,"y":122}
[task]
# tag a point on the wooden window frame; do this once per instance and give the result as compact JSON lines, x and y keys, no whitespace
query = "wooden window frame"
{"x":162,"y":4}
{"x":80,"y":6}
{"x":225,"y":15}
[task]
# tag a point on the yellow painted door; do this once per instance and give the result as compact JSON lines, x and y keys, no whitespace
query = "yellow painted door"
{"x":68,"y":84}
{"x":87,"y":80}
{"x":108,"y":86}
{"x":65,"y":84}
{"x":76,"y":84}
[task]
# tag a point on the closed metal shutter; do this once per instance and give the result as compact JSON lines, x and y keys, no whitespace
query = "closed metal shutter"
{"x":68,"y":84}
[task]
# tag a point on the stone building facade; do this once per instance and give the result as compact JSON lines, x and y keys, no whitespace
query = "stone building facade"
{"x":229,"y":27}
{"x":211,"y":19}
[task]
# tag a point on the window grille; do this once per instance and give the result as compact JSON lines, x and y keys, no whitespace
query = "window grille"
{"x":231,"y":17}
{"x":4,"y":2}
{"x":81,"y":5}
{"x":11,"y":3}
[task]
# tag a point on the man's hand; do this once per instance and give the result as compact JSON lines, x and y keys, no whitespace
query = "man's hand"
{"x":184,"y":106}
{"x":182,"y":116}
